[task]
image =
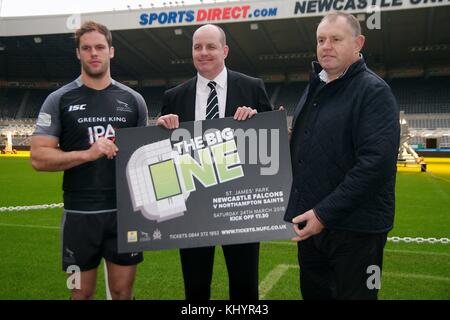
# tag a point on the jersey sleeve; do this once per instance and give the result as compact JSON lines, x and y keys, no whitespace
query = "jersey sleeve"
{"x":48,"y":121}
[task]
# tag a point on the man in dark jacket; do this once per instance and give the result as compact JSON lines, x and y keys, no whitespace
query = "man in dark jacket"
{"x":344,"y":144}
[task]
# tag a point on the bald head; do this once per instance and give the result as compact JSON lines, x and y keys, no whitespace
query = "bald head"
{"x":212,"y":28}
{"x":209,"y":50}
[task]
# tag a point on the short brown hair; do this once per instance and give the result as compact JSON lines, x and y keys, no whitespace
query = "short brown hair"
{"x":351,"y":20}
{"x":90,"y":26}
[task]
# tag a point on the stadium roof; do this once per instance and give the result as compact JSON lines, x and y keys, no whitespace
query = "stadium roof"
{"x":154,"y":46}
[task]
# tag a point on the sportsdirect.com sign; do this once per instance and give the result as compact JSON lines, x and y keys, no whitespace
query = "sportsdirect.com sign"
{"x":261,"y":10}
{"x":206,"y":15}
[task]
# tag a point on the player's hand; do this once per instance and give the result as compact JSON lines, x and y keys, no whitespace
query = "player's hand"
{"x":169,"y":121}
{"x":313,"y":225}
{"x":102,"y":147}
{"x":244,"y":113}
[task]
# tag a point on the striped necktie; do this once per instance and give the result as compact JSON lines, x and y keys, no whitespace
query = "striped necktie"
{"x":212,"y":107}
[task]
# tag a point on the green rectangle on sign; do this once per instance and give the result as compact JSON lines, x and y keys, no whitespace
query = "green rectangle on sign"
{"x":165,"y":179}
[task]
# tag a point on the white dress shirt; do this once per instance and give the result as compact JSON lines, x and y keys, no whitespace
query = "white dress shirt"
{"x":202,"y":93}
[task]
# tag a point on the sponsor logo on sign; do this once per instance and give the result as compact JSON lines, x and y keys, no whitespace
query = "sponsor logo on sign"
{"x":132,"y":236}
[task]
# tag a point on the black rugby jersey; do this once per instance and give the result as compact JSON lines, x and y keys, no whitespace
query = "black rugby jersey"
{"x":78,"y":115}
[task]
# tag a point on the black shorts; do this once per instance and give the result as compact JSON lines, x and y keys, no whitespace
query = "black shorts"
{"x":87,"y":238}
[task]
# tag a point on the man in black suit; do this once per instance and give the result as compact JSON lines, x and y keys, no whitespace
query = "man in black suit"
{"x":216,"y":92}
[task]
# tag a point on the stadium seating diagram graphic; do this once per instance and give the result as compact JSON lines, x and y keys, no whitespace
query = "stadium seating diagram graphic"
{"x":155,"y":185}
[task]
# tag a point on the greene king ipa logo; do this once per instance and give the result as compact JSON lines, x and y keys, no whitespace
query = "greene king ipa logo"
{"x":161,"y":176}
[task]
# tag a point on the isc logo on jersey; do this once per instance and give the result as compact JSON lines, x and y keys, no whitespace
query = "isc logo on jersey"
{"x":96,"y":132}
{"x":77,"y":107}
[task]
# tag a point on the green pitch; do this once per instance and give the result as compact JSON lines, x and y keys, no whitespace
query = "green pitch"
{"x":30,"y":243}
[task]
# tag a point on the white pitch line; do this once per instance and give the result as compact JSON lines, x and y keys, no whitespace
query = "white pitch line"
{"x":437,"y":177}
{"x":272,"y":278}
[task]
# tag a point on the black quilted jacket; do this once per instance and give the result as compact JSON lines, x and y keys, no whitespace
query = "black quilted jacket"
{"x":345,"y":166}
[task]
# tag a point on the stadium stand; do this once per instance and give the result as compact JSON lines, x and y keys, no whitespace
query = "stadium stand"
{"x":445,"y":142}
{"x":270,"y":88}
{"x":35,"y":100}
{"x":288,"y":96}
{"x":436,"y":123}
{"x":422,"y":95}
{"x":9,"y":102}
{"x":153,"y":98}
{"x":426,"y":103}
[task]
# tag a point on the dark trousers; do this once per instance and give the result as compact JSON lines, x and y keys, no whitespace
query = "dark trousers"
{"x":339,"y":264}
{"x":242,"y":264}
